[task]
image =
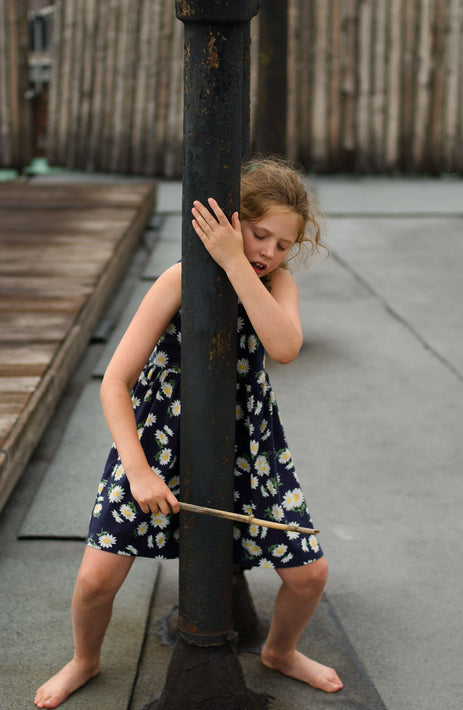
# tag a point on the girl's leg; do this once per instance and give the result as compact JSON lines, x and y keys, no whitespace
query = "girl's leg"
{"x":100,"y":577}
{"x":297,"y":599}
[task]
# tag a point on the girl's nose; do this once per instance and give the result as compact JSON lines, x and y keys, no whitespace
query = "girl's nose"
{"x":268,"y":248}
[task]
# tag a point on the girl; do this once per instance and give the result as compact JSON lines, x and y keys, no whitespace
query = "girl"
{"x":136,"y":506}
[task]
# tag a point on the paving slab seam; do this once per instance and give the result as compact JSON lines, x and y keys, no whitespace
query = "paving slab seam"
{"x":427,"y":346}
{"x":352,"y":653}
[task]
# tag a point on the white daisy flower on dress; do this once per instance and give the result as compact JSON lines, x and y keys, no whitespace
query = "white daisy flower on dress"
{"x":174,"y":482}
{"x":135,"y":401}
{"x":247,"y":509}
{"x":242,"y":366}
{"x":161,"y":437}
{"x":106,"y":540}
{"x":165,"y":456}
{"x":239,"y":324}
{"x":150,"y":419}
{"x":258,"y":409}
{"x":243,"y":342}
{"x":160,"y":359}
{"x":127,"y":511}
{"x":254,"y":447}
{"x":242,"y":463}
{"x":161,"y":539}
{"x":285,"y":456}
{"x":254,"y":481}
{"x":288,"y":558}
{"x":264,"y":492}
{"x":253,"y":530}
{"x":236,"y":532}
{"x":159,"y":520}
{"x":116,"y":494}
{"x":101,"y":486}
{"x":175,"y":408}
{"x":249,"y":426}
{"x":116,"y":516}
{"x":292,"y":534}
{"x":293,"y":499}
{"x":118,"y":472}
{"x":142,"y":528}
{"x":150,"y":542}
{"x":239,"y":411}
{"x":171,"y":329}
{"x":250,"y":403}
{"x":251,"y":547}
{"x":167,"y":388}
{"x":132,"y":550}
{"x":279,"y":550}
{"x":97,"y":510}
{"x":124,"y":553}
{"x":262,"y":465}
{"x":236,"y":495}
{"x":168,"y":430}
{"x":272,"y":489}
{"x":253,"y":343}
{"x":313,"y":542}
{"x":266,"y":563}
{"x":277,"y":513}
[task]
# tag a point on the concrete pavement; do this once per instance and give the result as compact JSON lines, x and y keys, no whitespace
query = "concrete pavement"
{"x":373,"y":411}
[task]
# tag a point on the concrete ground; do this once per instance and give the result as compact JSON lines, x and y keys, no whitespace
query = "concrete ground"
{"x":373,"y":411}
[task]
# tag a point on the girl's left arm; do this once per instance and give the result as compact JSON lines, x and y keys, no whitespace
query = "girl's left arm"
{"x":274,"y":315}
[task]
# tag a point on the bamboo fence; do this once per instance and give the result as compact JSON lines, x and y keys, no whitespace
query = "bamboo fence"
{"x":15,"y":127}
{"x":374,"y":86}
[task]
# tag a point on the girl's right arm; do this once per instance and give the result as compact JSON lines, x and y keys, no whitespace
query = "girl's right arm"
{"x":156,"y":311}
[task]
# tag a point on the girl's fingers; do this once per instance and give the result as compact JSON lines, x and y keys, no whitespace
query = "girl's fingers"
{"x":217,"y":211}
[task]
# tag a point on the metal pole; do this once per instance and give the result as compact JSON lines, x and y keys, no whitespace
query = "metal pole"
{"x":204,"y":670}
{"x":270,"y":135}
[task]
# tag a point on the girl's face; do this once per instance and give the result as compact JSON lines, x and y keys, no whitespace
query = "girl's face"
{"x":268,"y":241}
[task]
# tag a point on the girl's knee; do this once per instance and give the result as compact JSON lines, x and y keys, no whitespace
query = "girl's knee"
{"x":310,"y":577}
{"x":101,"y":575}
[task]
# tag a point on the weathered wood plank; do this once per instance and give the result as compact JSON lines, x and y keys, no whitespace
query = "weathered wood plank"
{"x":59,"y":266}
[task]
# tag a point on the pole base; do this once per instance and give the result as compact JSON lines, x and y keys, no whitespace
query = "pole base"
{"x":207,"y":678}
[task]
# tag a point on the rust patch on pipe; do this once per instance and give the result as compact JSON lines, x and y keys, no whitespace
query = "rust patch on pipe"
{"x":212,"y":52}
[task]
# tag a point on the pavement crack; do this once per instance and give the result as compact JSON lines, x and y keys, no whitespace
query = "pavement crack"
{"x":392,"y":312}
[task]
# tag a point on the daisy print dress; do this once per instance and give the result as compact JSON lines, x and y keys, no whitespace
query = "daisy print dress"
{"x":265,"y":480}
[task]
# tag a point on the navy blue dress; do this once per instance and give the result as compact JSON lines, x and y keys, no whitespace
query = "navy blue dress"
{"x":266,"y":484}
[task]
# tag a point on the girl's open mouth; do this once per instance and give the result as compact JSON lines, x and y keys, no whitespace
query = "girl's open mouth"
{"x":257,"y":266}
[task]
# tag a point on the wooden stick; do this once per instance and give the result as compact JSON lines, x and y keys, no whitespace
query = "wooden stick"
{"x":248,"y":519}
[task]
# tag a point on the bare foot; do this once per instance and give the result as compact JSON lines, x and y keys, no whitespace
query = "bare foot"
{"x":60,"y":686}
{"x":302,"y":668}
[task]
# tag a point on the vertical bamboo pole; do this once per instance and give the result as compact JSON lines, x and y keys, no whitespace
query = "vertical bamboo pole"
{"x":349,"y":85}
{"x":5,"y":140}
{"x":393,"y":103}
{"x":437,"y":107}
{"x":423,"y":98}
{"x":453,"y":88}
{"x":363,"y":130}
{"x":319,"y":89}
{"x":379,"y":59}
{"x":334,"y":117}
{"x":272,"y":104}
{"x":408,"y":64}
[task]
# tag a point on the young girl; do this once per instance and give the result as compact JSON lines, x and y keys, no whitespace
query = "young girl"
{"x":136,"y":505}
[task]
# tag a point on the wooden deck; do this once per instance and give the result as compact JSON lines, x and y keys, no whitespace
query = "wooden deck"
{"x":63,"y":249}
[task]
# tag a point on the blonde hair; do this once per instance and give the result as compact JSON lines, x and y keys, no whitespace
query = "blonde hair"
{"x":270,"y":183}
